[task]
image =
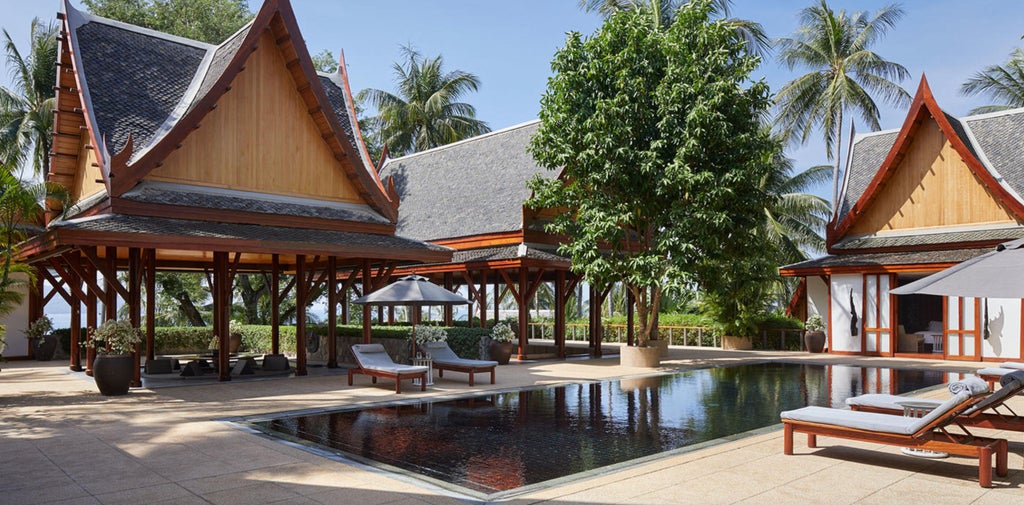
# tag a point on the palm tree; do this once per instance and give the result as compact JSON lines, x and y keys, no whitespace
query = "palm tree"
{"x":425,"y":112}
{"x":663,"y":13}
{"x":835,"y":46}
{"x":26,"y":112}
{"x":1003,"y":83}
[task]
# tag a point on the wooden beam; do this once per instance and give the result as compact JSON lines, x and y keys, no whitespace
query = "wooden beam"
{"x":275,"y":305}
{"x":301,"y":292}
{"x":57,"y":286}
{"x":67,"y":274}
{"x":367,"y":289}
{"x":221,"y":301}
{"x":150,"y":263}
{"x":135,"y":307}
{"x":107,"y":268}
{"x":332,"y":311}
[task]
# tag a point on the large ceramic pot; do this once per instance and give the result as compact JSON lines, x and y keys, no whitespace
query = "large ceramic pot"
{"x":44,"y":347}
{"x":730,"y":343}
{"x":814,"y":341}
{"x":640,"y":357}
{"x":501,"y":351}
{"x":113,"y":374}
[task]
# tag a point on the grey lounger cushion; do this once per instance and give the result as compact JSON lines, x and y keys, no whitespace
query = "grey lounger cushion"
{"x":442,"y":354}
{"x":870,"y":421}
{"x":374,"y":357}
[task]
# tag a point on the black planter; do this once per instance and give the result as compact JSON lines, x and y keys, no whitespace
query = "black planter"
{"x":113,"y":374}
{"x":501,"y":351}
{"x":814,"y":341}
{"x":44,"y":347}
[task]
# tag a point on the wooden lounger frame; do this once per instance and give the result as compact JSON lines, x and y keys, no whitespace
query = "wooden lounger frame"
{"x":932,"y":437}
{"x":470,"y":369}
{"x":397,"y":376}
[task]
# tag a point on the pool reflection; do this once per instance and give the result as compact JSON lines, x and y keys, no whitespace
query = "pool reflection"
{"x":503,"y":441}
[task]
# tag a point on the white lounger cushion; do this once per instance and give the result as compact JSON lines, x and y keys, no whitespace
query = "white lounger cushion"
{"x":995,"y":371}
{"x":870,"y":421}
{"x":374,"y":357}
{"x":884,"y":401}
{"x":1012,"y":364}
{"x":442,"y":354}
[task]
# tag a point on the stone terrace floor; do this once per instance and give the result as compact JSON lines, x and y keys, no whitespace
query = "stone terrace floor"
{"x":63,"y":443}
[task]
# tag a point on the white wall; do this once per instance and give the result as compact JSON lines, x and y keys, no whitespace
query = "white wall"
{"x":16,"y":323}
{"x":842,"y":285}
{"x":1004,"y":327}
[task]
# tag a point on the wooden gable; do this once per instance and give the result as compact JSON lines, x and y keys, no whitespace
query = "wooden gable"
{"x":929,"y":179}
{"x":931,"y":187}
{"x":261,"y":138}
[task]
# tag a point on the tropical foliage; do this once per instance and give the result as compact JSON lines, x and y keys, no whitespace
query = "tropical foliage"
{"x":425,"y":111}
{"x":26,"y":109}
{"x":210,"y":21}
{"x":844,"y":73}
{"x":662,"y":156}
{"x":1002,"y":83}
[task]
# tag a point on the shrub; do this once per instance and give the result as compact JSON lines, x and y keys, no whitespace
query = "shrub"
{"x":466,"y":341}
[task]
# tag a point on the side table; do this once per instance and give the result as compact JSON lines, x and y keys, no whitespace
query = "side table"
{"x":429,"y":363}
{"x":915,"y":408}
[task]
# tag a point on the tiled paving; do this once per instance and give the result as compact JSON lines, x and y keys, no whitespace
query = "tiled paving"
{"x":63,"y":443}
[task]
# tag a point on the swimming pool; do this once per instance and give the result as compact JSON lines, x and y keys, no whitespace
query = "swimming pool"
{"x":490,"y":444}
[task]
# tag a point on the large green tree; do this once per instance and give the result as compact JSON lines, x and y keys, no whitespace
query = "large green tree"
{"x":844,"y":73}
{"x":210,"y":21}
{"x":662,"y":155}
{"x":1002,"y":83}
{"x":26,"y":109}
{"x":662,"y":13}
{"x":424,"y":112}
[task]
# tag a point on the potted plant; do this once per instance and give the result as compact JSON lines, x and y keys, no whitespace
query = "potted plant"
{"x":502,"y":345}
{"x":421,"y":334}
{"x":3,"y":341}
{"x":814,"y":334}
{"x":114,"y":342}
{"x":41,"y":339}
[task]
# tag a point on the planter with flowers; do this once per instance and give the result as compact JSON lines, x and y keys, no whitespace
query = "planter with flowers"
{"x":502,"y":345}
{"x":114,"y":366}
{"x":814,"y":334}
{"x":41,"y":338}
{"x":421,"y":334}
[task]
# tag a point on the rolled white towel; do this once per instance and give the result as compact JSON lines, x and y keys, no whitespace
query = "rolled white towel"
{"x":972,"y":385}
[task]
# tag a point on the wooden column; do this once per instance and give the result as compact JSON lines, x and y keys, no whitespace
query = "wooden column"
{"x":344,"y":305}
{"x":301,"y":290}
{"x":391,"y":314}
{"x":367,"y":289}
{"x":76,"y":320}
{"x":275,"y":304}
{"x":149,"y":260}
{"x":109,"y":291}
{"x":135,"y":307}
{"x":560,"y":314}
{"x":332,"y":312}
{"x":91,"y":305}
{"x":449,"y":315}
{"x":497,"y":299}
{"x":524,"y":310}
{"x":35,"y":304}
{"x":483,"y":298}
{"x":221,"y":306}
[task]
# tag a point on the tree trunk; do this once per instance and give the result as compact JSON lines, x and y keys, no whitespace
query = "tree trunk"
{"x":835,"y":168}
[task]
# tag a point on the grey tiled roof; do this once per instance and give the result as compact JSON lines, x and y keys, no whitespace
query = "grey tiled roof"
{"x":890,"y":258}
{"x":135,"y":79}
{"x":996,"y":139}
{"x":340,"y":105}
{"x":503,"y":253}
{"x":1001,"y":137}
{"x":953,"y":237}
{"x":218,"y":63}
{"x":184,"y":195}
{"x":472,"y":187}
{"x":297,"y":237}
{"x":868,"y":154}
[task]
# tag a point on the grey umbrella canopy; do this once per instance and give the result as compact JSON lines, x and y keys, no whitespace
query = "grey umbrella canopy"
{"x":413,"y":290}
{"x":996,"y":274}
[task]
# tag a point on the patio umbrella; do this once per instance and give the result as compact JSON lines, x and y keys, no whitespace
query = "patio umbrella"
{"x":996,"y":274}
{"x":413,"y":291}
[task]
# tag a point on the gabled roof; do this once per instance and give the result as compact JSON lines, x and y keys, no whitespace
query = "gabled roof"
{"x":990,"y":145}
{"x":468,"y":188}
{"x":145,"y":91}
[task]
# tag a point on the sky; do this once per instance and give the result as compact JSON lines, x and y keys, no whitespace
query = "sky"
{"x":509,"y":45}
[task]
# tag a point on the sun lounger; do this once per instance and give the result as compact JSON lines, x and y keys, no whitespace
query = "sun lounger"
{"x":925,"y":433}
{"x":374,"y":361}
{"x":446,"y":359}
{"x":992,"y":375}
{"x":992,"y":412}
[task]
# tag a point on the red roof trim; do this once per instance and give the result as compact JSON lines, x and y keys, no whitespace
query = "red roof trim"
{"x":922,"y":108}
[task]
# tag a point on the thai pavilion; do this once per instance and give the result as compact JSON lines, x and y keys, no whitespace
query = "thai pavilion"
{"x":239,"y":157}
{"x":914,"y":201}
{"x":186,"y":156}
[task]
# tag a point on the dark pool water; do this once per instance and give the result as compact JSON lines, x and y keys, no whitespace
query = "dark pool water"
{"x":498,"y":442}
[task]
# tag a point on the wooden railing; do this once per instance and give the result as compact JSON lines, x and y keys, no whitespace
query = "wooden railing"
{"x":697,"y":336}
